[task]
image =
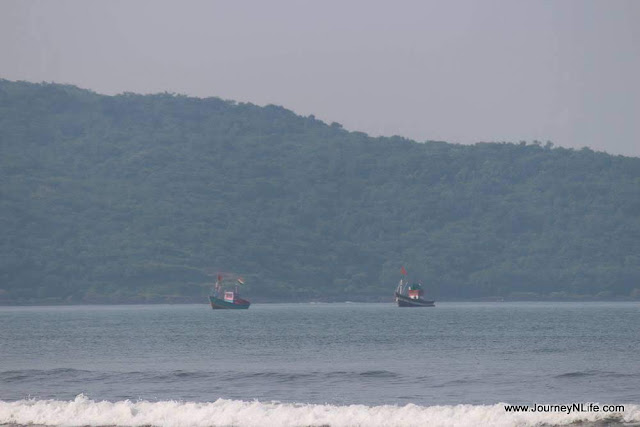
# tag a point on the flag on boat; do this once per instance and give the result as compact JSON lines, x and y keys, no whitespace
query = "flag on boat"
{"x":403,"y":271}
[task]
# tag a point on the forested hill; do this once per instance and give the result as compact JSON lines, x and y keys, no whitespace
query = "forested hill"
{"x":139,"y":198}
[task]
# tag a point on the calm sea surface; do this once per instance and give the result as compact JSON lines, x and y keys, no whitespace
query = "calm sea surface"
{"x":339,"y":354}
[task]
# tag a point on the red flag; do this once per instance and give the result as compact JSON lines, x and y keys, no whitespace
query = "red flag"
{"x":219,"y":277}
{"x":403,"y":271}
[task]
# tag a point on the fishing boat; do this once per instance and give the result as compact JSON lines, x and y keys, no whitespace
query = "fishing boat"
{"x":410,"y":295}
{"x":223,"y":298}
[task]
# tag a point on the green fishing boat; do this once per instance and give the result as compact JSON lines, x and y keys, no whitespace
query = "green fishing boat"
{"x":223,"y":298}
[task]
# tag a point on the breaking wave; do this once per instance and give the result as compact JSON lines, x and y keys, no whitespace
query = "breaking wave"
{"x":83,"y":411}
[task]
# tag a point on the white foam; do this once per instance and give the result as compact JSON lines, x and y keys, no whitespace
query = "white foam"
{"x":86,"y":412}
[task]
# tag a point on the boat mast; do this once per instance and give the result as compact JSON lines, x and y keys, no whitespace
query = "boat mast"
{"x":218,"y":285}
{"x":403,"y":281}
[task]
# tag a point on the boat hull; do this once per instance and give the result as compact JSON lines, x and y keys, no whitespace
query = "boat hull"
{"x":220,"y":304}
{"x":405,"y":301}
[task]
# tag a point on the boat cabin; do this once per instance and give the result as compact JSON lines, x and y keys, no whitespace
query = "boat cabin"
{"x":415,"y":291}
{"x":228,"y":296}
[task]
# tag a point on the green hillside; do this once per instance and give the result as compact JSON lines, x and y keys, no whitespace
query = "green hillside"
{"x":139,"y":198}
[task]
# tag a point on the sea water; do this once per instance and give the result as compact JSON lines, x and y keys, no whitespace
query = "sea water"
{"x":344,"y":364}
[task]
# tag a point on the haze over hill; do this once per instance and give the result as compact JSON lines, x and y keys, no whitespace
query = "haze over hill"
{"x":140,"y":198}
{"x":462,"y":71}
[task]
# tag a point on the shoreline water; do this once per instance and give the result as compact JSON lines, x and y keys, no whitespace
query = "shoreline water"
{"x":224,"y":412}
{"x":333,"y":364}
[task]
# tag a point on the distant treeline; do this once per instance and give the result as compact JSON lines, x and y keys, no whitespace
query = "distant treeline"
{"x":135,"y":198}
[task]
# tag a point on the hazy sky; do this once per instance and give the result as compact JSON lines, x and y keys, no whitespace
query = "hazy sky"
{"x":458,"y":71}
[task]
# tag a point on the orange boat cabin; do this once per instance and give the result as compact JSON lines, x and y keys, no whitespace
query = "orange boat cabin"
{"x":415,"y":291}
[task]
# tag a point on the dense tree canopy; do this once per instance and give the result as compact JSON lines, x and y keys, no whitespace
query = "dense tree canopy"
{"x":141,"y":198}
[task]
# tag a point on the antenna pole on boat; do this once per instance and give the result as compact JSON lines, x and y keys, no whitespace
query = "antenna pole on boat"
{"x":403,"y":280}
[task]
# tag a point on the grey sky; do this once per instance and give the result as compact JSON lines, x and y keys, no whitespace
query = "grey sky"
{"x":459,"y":71}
